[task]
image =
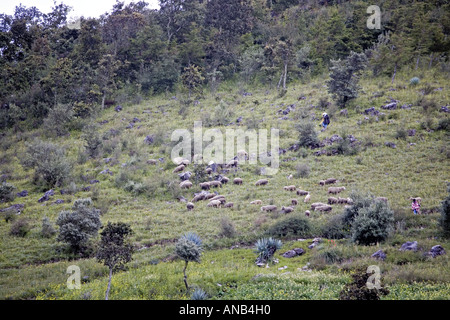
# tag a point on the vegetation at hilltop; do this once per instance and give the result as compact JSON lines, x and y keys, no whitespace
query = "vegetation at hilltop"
{"x":87,"y":114}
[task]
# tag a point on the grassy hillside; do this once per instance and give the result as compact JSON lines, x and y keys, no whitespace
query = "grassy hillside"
{"x":35,"y":267}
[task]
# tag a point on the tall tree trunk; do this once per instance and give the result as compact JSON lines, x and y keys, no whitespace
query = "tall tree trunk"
{"x":103,"y":101}
{"x":109,"y":283}
{"x":285,"y":76}
{"x":185,"y":276}
{"x":279,"y":82}
{"x":417,"y":62}
{"x":431,"y":61}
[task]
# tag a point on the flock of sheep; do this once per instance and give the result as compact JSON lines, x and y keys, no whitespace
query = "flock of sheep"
{"x":216,"y":200}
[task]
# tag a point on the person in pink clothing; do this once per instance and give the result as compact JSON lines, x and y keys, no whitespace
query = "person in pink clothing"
{"x":415,"y":206}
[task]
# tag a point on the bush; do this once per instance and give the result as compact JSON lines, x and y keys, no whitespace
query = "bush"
{"x":401,"y":133}
{"x":93,"y":140}
{"x":414,"y":81}
{"x":359,"y":201}
{"x":308,"y":136}
{"x":266,"y":248}
{"x":358,"y":289}
{"x":372,"y":224}
{"x":7,"y":192}
{"x":20,"y":228}
{"x":345,"y":147}
{"x":227,"y":228}
{"x":302,"y":170}
{"x":290,"y":226}
{"x":444,"y":124}
{"x":334,"y":228}
{"x":444,"y":221}
{"x":58,"y":119}
{"x":49,"y":162}
{"x":47,"y":230}
{"x":199,"y":294}
{"x":76,"y":227}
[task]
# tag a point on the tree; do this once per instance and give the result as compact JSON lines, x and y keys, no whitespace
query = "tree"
{"x":107,"y":73}
{"x":114,"y":251}
{"x":444,"y":221}
{"x":189,"y":248}
{"x":344,"y":75}
{"x":192,"y":79}
{"x":79,"y":225}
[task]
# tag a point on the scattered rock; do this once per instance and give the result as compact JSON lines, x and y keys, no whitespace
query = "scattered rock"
{"x":409,"y":246}
{"x":185,"y":175}
{"x":371,"y":111}
{"x":380,"y":255}
{"x":136,"y":120}
{"x":94,"y":181}
{"x":444,"y":109}
{"x":22,"y":193}
{"x":406,"y":106}
{"x":390,"y":106}
{"x":88,"y":188}
{"x":343,"y":113}
{"x":314,"y":243}
{"x":293,"y":253}
{"x":436,"y":250}
{"x":107,"y":171}
{"x":15,"y":207}
{"x":239,"y":120}
{"x":59,"y":201}
{"x":412,"y":132}
{"x":118,"y":108}
{"x":390,"y":145}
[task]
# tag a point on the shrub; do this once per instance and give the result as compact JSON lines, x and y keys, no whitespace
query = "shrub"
{"x":189,"y":248}
{"x":227,"y":228}
{"x":76,"y":227}
{"x":308,"y":136}
{"x":290,"y":226}
{"x":49,"y":162}
{"x":334,"y":228}
{"x":359,"y":201}
{"x":266,"y":248}
{"x":358,"y":289}
{"x":199,"y":294}
{"x":444,"y":221}
{"x":93,"y":140}
{"x":414,"y":81}
{"x":345,"y":147}
{"x":401,"y":133}
{"x":20,"y":228}
{"x":58,"y":119}
{"x":444,"y":124}
{"x":7,"y":192}
{"x":47,"y":230}
{"x":302,"y":170}
{"x":372,"y":224}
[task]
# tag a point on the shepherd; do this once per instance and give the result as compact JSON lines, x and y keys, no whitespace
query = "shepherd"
{"x":325,"y":120}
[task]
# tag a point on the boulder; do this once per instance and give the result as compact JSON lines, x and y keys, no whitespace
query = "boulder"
{"x":444,"y":109}
{"x":185,"y":175}
{"x":390,"y":106}
{"x":293,"y":253}
{"x":149,"y":139}
{"x":409,"y":246}
{"x":118,"y":108}
{"x":380,"y":255}
{"x":436,"y":250}
{"x":22,"y":193}
{"x":390,"y":145}
{"x":15,"y":207}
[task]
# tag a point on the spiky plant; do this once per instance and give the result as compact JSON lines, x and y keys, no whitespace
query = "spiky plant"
{"x":199,"y":294}
{"x":266,"y":248}
{"x":189,"y":248}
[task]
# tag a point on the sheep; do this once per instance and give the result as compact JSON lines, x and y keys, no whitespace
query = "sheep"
{"x":205,"y":185}
{"x":256,"y":202}
{"x":225,"y":179}
{"x":190,"y":206}
{"x":214,"y":203}
{"x":229,"y":205}
{"x":232,"y":163}
{"x":208,"y":170}
{"x":307,"y":213}
{"x":294,"y":202}
{"x":330,"y":181}
{"x":237,"y":181}
{"x":216,"y":197}
{"x":290,"y":177}
{"x":333,"y":200}
{"x":317,"y":204}
{"x":307,"y":198}
{"x":178,"y":169}
{"x":242,"y":154}
{"x":185,"y":184}
{"x":152,"y":161}
{"x":381,"y":199}
{"x":269,"y":208}
{"x":344,"y":200}
{"x":216,"y":184}
{"x":322,"y":182}
{"x":209,"y":196}
{"x":287,"y":209}
{"x":261,"y":182}
{"x":290,"y":188}
{"x":302,"y":192}
{"x":323,"y":208}
{"x":335,"y":190}
{"x":198,"y":197}
{"x":186,"y":162}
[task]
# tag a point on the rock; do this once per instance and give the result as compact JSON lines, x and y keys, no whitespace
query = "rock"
{"x":107,"y":160}
{"x":380,"y":255}
{"x":444,"y":109}
{"x":136,"y":120}
{"x":149,"y":139}
{"x":118,"y":108}
{"x":409,"y":246}
{"x":406,"y":106}
{"x":22,"y":193}
{"x":129,"y":126}
{"x":412,"y":132}
{"x":15,"y":207}
{"x":390,"y":106}
{"x":390,"y":144}
{"x":59,"y":201}
{"x":185,"y":175}
{"x":46,"y":196}
{"x":436,"y":250}
{"x":371,"y":111}
{"x":239,"y":120}
{"x":94,"y":181}
{"x":50,"y":193}
{"x":314,"y":243}
{"x":88,"y":188}
{"x":293,"y":253}
{"x":343,"y":113}
{"x":106,"y":171}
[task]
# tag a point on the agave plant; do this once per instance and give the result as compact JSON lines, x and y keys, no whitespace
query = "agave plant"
{"x":266,"y":248}
{"x":199,"y":294}
{"x":189,"y":248}
{"x":414,"y":81}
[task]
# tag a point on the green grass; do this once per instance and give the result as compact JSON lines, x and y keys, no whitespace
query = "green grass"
{"x":34,"y":266}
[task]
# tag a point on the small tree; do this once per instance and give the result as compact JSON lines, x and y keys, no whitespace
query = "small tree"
{"x":76,"y":227}
{"x":47,"y":228}
{"x":58,"y":119}
{"x":7,"y":192}
{"x":93,"y":140}
{"x":308,"y":136}
{"x":189,"y":248}
{"x":114,"y":251}
{"x":344,"y":75}
{"x":444,"y":221}
{"x":192,"y":79}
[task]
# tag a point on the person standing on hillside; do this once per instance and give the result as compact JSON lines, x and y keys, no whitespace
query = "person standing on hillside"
{"x":325,"y":120}
{"x":415,"y":206}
